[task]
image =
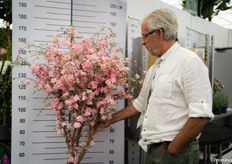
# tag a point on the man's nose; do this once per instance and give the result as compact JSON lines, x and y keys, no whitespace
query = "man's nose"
{"x":143,"y":42}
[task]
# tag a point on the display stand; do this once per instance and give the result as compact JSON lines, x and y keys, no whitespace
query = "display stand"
{"x":34,"y":137}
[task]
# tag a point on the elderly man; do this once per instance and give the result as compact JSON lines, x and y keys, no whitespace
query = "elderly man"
{"x":175,"y":101}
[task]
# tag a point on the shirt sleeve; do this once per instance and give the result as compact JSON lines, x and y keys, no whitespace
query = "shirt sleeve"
{"x":197,"y":88}
{"x":139,"y":102}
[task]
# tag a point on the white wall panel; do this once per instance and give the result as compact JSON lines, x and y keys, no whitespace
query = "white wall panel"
{"x":138,"y":9}
{"x":221,"y":36}
{"x":230,"y":38}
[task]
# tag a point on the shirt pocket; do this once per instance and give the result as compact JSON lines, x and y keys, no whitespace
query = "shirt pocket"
{"x":163,"y":86}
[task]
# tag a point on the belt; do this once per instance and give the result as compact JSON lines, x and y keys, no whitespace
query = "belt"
{"x":160,"y":143}
{"x":168,"y":142}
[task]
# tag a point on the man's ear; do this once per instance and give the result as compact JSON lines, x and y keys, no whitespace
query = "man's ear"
{"x":161,"y":33}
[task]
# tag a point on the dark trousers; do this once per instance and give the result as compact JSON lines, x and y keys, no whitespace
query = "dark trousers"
{"x":189,"y":155}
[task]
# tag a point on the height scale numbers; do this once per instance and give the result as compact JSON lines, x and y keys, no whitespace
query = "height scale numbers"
{"x":34,"y":137}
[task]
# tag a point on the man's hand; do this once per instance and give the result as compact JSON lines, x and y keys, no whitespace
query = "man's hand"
{"x":161,"y":150}
{"x":189,"y":132}
{"x":127,"y":112}
{"x":102,"y":124}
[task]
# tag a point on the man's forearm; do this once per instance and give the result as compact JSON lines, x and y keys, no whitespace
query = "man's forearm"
{"x":127,"y":112}
{"x":190,"y":131}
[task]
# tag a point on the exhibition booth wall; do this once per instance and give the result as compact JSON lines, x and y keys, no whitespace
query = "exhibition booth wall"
{"x":223,"y":37}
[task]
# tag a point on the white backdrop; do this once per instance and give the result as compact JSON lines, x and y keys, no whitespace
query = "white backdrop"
{"x":34,"y":138}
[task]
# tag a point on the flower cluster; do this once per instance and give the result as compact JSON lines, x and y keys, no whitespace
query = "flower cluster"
{"x":135,"y":79}
{"x":4,"y":64}
{"x":220,"y":99}
{"x":83,"y":79}
{"x":217,"y":86}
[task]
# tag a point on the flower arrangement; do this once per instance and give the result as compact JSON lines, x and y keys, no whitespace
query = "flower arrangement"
{"x":220,"y":99}
{"x":135,"y":80}
{"x":84,"y":80}
{"x":217,"y":87}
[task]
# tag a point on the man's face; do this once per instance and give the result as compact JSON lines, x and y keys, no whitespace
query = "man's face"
{"x":150,"y":39}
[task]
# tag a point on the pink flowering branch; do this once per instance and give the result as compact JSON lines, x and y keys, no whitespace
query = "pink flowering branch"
{"x":82,"y":79}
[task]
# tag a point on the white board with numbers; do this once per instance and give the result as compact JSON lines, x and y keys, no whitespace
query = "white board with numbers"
{"x":34,"y":138}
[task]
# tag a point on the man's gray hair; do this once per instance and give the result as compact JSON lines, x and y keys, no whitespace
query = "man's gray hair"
{"x":166,"y":20}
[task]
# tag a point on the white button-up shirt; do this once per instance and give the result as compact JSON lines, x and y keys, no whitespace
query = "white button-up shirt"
{"x":179,"y":90}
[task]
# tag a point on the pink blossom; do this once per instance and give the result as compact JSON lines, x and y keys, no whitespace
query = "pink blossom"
{"x":69,"y":126}
{"x":3,"y":51}
{"x":83,"y":144}
{"x":92,"y":123}
{"x":84,"y":97}
{"x":70,"y":77}
{"x":137,"y":76}
{"x":60,"y":105}
{"x":76,"y":34}
{"x":76,"y":98}
{"x":80,"y":119}
{"x":77,"y":125}
{"x":94,"y":84}
{"x":127,"y":69}
{"x":103,"y":117}
{"x":85,"y":39}
{"x":71,"y":29}
{"x":70,"y":159}
{"x":127,"y":60}
{"x":63,"y":124}
{"x":53,"y":80}
{"x":76,"y":106}
{"x":27,"y":82}
{"x":102,"y":111}
{"x":83,"y":73}
{"x":63,"y":71}
{"x":92,"y":143}
{"x":88,"y":112}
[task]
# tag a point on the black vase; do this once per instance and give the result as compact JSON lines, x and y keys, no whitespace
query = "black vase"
{"x":224,"y":109}
{"x":217,"y":111}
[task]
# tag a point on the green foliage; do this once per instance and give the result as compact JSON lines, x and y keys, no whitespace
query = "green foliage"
{"x":217,"y":101}
{"x":6,"y":10}
{"x":5,"y":97}
{"x":5,"y":58}
{"x":225,"y":100}
{"x":135,"y":80}
{"x":207,"y":9}
{"x":220,"y":99}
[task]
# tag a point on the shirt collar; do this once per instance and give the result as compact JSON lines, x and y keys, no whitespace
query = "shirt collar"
{"x":170,"y":51}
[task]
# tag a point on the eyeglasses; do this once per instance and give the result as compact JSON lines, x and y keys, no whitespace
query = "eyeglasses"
{"x":146,"y":35}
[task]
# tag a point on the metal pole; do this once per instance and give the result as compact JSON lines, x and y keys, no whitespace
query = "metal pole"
{"x":71,"y":21}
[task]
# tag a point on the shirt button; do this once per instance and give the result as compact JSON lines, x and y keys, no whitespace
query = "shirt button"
{"x":144,"y":130}
{"x":202,"y":101}
{"x":145,"y":116}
